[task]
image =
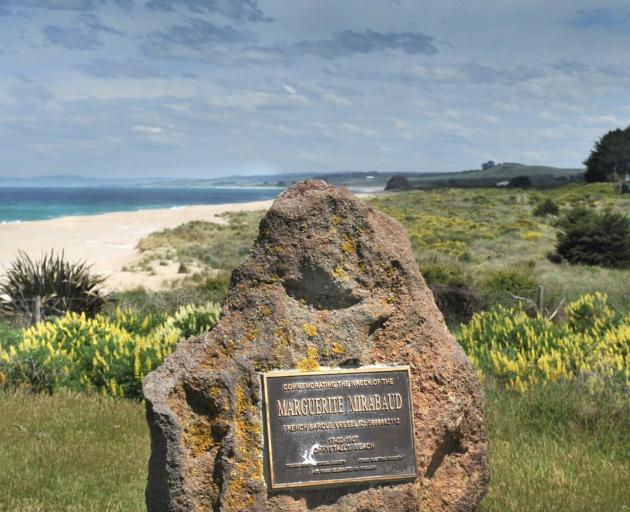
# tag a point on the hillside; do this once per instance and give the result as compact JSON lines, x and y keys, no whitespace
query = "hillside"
{"x":355,"y":180}
{"x":505,"y":171}
{"x":373,"y":180}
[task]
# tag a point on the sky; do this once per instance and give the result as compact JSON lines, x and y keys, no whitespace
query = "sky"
{"x":204,"y":88}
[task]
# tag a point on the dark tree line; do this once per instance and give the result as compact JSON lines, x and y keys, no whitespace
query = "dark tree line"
{"x":610,"y":157}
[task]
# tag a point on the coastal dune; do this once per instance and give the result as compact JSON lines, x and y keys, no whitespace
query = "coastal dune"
{"x":108,"y":241}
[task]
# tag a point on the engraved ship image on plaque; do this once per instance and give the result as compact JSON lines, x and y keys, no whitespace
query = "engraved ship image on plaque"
{"x":335,"y":427}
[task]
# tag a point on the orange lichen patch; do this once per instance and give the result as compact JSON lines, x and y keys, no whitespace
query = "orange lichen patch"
{"x":310,"y":330}
{"x":347,"y":245}
{"x":251,"y":334}
{"x":198,"y":435}
{"x":248,"y":439}
{"x":281,"y":334}
{"x":201,"y":440}
{"x":310,"y":362}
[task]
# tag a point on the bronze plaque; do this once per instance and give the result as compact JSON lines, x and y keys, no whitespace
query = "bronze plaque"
{"x":339,"y":426}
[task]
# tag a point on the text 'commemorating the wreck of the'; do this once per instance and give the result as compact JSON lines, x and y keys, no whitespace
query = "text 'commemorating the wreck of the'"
{"x":338,"y":426}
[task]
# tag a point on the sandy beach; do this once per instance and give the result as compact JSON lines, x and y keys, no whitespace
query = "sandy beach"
{"x":108,"y":241}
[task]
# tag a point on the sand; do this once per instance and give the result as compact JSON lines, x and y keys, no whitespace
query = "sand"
{"x":108,"y":241}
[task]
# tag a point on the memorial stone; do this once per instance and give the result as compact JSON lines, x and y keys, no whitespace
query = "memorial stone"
{"x":331,"y":382}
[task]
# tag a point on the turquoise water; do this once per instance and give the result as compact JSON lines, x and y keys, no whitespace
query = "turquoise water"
{"x":24,"y":204}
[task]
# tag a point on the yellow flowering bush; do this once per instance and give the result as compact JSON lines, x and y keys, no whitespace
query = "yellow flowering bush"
{"x":592,"y":343}
{"x":531,"y":236}
{"x":191,"y":320}
{"x":111,"y":354}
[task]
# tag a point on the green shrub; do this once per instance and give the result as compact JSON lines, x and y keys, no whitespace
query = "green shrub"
{"x":8,"y":335}
{"x":521,"y":182}
{"x":592,"y":238}
{"x":457,"y":303}
{"x":62,"y":286}
{"x":546,"y":207}
{"x":444,"y":273}
{"x":513,"y":280}
{"x":452,"y":290}
{"x":111,"y":354}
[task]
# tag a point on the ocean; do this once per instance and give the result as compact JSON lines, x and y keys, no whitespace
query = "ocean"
{"x":33,"y":203}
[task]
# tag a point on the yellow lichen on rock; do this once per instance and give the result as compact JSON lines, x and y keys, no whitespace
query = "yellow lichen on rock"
{"x":340,"y":274}
{"x":310,"y":330}
{"x":347,"y":245}
{"x":338,"y":349}
{"x":248,"y":433}
{"x":311,"y":362}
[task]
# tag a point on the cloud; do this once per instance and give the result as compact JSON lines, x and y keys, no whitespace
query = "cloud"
{"x":125,"y":4}
{"x":199,"y":33}
{"x":581,"y":69}
{"x":104,"y":68}
{"x":240,"y":10}
{"x":85,"y":37}
{"x":349,"y":42}
{"x":65,"y":5}
{"x":465,"y":73}
{"x":150,"y":130}
{"x":601,"y":18}
{"x":72,"y":38}
{"x":473,"y":73}
{"x":229,"y":46}
{"x":199,"y":40}
{"x":30,"y":92}
{"x":72,"y":5}
{"x":94,"y":24}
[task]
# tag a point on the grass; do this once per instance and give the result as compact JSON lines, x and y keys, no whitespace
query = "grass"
{"x":478,"y":231}
{"x":204,"y":245}
{"x":486,"y":230}
{"x":556,"y":447}
{"x":199,"y":288}
{"x":468,"y":235}
{"x":205,"y":254}
{"x":553,"y":448}
{"x":72,"y":452}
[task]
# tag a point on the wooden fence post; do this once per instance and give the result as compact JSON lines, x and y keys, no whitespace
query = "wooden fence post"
{"x":37,"y":309}
{"x":541,"y":298}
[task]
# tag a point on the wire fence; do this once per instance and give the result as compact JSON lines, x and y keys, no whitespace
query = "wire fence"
{"x":537,"y":300}
{"x":28,"y":311}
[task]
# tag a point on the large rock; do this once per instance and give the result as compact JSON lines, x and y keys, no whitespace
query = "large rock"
{"x":328,"y":278}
